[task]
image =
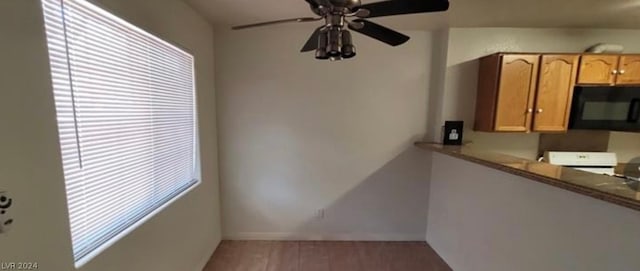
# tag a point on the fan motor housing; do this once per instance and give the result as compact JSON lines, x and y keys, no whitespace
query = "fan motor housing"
{"x":337,"y":7}
{"x":334,"y":20}
{"x":350,"y":4}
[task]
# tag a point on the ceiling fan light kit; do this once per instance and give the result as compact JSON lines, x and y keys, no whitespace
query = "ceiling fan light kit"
{"x":334,"y":42}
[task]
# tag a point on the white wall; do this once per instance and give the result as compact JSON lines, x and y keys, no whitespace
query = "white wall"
{"x":467,"y":45}
{"x":482,"y":219}
{"x":298,"y":135}
{"x":181,"y":237}
{"x":439,"y":54}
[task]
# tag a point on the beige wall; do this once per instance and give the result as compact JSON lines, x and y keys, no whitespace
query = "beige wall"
{"x":299,"y":135}
{"x":626,"y":145}
{"x":466,"y":45}
{"x":481,"y":219}
{"x":181,"y":237}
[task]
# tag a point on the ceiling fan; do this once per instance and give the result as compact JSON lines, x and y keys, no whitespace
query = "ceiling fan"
{"x":333,"y":41}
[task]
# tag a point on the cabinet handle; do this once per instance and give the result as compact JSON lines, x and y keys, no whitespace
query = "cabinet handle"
{"x":614,"y":72}
{"x":530,"y":110}
{"x":540,"y":110}
{"x":621,"y":72}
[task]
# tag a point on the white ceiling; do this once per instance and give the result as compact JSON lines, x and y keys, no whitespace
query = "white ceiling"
{"x":463,"y":13}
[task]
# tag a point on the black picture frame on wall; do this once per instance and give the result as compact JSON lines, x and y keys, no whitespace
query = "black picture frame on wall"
{"x":453,"y":133}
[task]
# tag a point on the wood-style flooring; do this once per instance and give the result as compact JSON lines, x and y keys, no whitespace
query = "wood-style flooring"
{"x":325,"y":256}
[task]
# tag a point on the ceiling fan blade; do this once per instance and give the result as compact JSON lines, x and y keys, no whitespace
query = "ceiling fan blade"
{"x":294,"y":20}
{"x":380,"y":33}
{"x":325,"y":3}
{"x":312,"y":43}
{"x":399,"y":7}
{"x":316,"y":3}
{"x":313,"y":3}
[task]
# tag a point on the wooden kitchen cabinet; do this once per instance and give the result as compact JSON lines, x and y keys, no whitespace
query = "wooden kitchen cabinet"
{"x":506,"y":88}
{"x":628,"y":72}
{"x":610,"y":70}
{"x":554,"y":94}
{"x":598,"y":69}
{"x":525,"y":92}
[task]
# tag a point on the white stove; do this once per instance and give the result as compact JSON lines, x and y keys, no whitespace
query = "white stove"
{"x":595,"y":162}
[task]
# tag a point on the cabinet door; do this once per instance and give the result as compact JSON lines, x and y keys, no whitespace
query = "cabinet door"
{"x":518,"y":74}
{"x":555,"y":92}
{"x":598,"y":69}
{"x":629,"y":70}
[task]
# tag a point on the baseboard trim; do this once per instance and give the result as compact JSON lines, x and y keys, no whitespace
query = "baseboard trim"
{"x":294,"y":236}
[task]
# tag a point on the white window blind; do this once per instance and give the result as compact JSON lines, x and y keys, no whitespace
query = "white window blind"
{"x":125,"y":104}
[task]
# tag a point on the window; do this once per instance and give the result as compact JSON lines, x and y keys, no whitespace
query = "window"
{"x":125,"y":103}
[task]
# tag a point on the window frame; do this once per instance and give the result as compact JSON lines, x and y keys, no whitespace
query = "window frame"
{"x":196,"y":170}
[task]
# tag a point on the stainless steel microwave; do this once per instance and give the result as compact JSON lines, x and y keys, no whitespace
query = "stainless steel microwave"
{"x":606,"y":108}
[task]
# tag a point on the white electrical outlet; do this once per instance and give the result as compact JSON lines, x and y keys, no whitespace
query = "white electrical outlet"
{"x":6,"y":219}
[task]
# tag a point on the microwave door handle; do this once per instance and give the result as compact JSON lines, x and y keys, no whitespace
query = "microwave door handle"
{"x":634,"y":111}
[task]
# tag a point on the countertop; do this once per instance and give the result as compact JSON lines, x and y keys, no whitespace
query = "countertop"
{"x":603,"y":187}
